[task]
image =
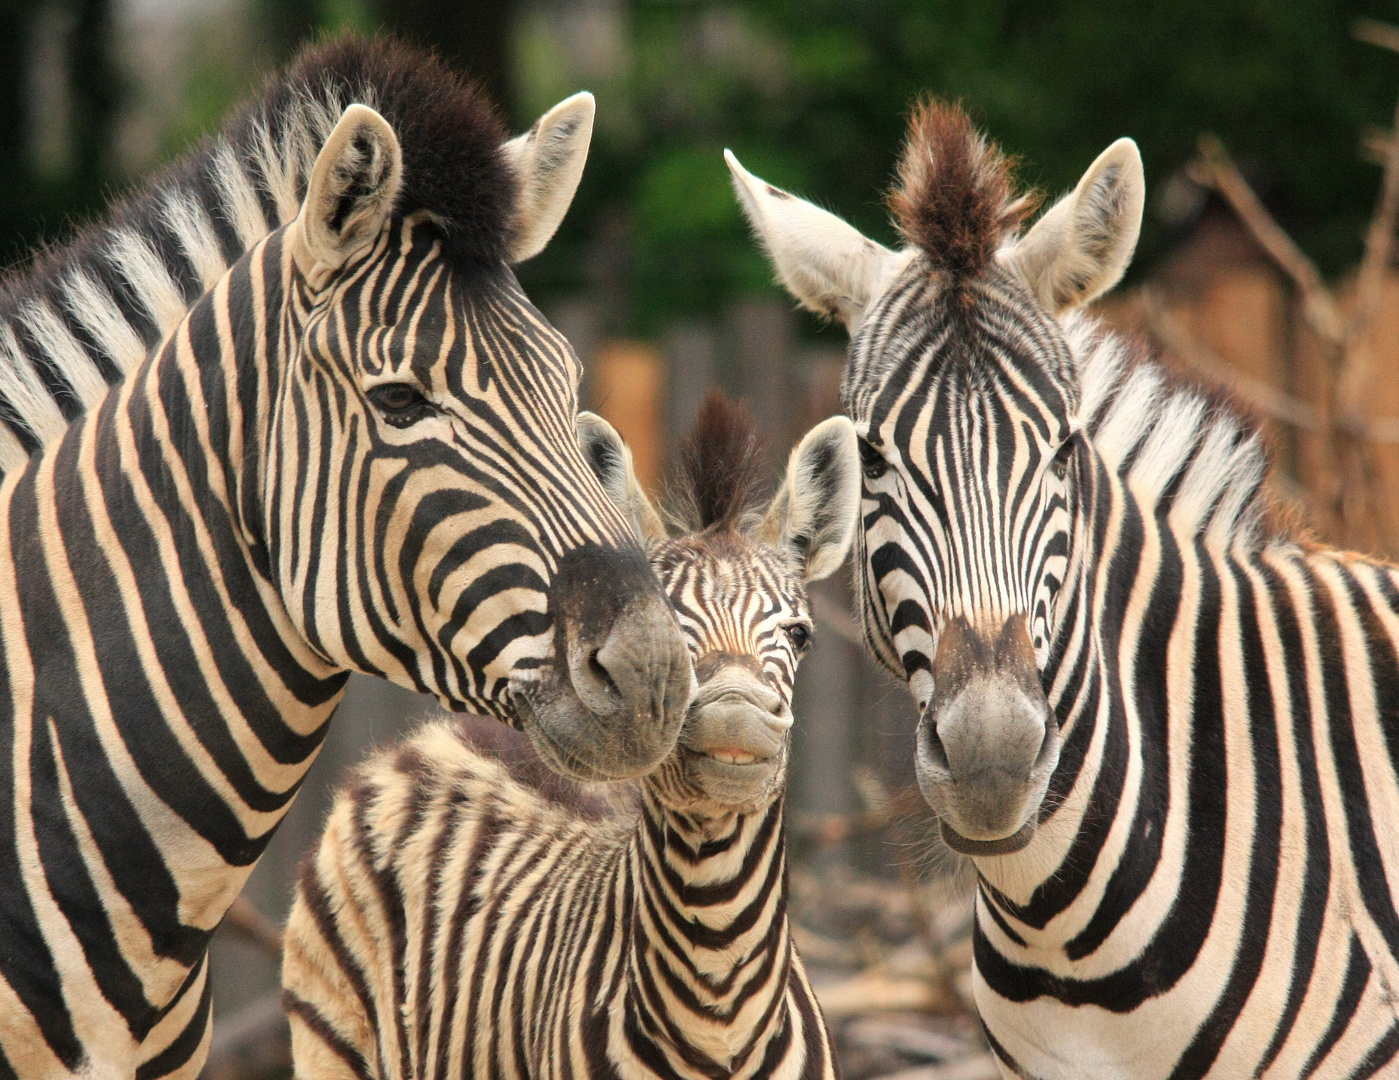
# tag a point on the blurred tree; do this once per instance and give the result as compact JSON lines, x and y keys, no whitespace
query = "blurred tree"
{"x":14,"y":208}
{"x":472,"y":37}
{"x":95,"y":94}
{"x":812,"y":94}
{"x":39,"y":204}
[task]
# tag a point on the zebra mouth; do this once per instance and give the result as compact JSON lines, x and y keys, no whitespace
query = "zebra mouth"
{"x":1007,"y":845}
{"x":730,"y":760}
{"x":578,"y":748}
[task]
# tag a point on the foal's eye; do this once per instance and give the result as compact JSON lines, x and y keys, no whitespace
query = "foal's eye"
{"x":872,"y":461}
{"x":800,"y":636}
{"x":399,"y":402}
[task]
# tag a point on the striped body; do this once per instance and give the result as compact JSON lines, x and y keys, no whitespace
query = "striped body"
{"x":458,"y":921}
{"x":1168,"y":737}
{"x":190,"y":567}
{"x":1212,"y":887}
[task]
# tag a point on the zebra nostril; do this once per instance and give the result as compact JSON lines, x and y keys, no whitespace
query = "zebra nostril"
{"x":1049,"y":748}
{"x":600,"y":673}
{"x":933,"y":751}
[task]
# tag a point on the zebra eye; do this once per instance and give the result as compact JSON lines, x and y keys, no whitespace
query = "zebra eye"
{"x":399,"y":402}
{"x":872,"y":461}
{"x":1060,"y":464}
{"x":800,"y":636}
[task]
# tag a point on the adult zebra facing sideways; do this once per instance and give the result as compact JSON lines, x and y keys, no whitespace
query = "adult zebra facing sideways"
{"x":459,"y":919}
{"x":1167,"y":735}
{"x":355,"y":450}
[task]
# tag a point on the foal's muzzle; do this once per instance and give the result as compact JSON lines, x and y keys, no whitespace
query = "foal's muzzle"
{"x":734,"y":742}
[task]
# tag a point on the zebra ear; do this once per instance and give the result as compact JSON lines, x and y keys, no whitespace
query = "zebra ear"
{"x":825,"y":263}
{"x":352,"y":188}
{"x":1080,"y":248}
{"x":814,"y":513}
{"x":611,"y":460}
{"x":548,"y":161}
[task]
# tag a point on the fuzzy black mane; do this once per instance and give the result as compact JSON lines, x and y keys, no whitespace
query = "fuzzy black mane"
{"x":449,"y":132}
{"x":719,"y":467}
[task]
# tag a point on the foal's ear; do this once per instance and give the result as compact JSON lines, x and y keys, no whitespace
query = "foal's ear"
{"x":1080,"y":248}
{"x":611,"y":460}
{"x":814,"y":513}
{"x":548,"y":161}
{"x":824,"y":262}
{"x":352,"y":189}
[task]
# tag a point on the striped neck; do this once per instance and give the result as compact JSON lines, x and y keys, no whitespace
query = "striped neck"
{"x":711,"y":948}
{"x":135,"y":605}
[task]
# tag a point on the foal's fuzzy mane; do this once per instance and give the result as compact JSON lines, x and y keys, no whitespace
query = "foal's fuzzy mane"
{"x":1182,"y":451}
{"x":719,"y":468}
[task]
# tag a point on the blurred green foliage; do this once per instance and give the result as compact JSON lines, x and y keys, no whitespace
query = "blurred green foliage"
{"x":812,"y":95}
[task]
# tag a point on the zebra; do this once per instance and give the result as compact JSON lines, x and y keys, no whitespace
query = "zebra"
{"x":1163,"y":728}
{"x":285,"y":414}
{"x":461,"y":918}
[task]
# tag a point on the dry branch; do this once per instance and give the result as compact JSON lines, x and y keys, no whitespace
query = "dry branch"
{"x":1258,"y":395}
{"x":1349,"y":496}
{"x":1217,"y":170}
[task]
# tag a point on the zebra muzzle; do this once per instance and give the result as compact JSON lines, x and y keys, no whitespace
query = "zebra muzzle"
{"x":612,"y":703}
{"x":988,"y":741}
{"x":734,"y":741}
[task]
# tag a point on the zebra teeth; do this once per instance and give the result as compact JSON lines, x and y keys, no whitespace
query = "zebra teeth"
{"x":733,"y":757}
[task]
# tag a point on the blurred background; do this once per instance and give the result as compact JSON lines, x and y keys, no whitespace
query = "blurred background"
{"x":1264,"y":270}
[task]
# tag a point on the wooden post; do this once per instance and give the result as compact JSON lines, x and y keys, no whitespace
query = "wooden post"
{"x":626,"y":390}
{"x":690,"y":375}
{"x":762,"y":344}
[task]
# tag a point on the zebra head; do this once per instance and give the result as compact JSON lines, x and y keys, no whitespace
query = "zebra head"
{"x":431,"y":517}
{"x":965,"y":396}
{"x":736,"y":576}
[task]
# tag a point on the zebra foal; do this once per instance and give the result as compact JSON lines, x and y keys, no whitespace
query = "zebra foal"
{"x":457,"y":922}
{"x":1166,"y":734}
{"x":337,"y":437}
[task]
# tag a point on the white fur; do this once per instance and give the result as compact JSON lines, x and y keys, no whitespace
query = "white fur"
{"x":93,"y":307}
{"x":824,"y":262}
{"x":189,"y":221}
{"x":1081,"y":247}
{"x":150,"y":281}
{"x":63,"y":352}
{"x":548,"y":161}
{"x":1175,"y":428}
{"x":27,"y":396}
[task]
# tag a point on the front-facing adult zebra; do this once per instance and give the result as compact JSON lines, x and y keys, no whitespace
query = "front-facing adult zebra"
{"x":458,"y":921}
{"x":1167,"y":736}
{"x":356,"y":450}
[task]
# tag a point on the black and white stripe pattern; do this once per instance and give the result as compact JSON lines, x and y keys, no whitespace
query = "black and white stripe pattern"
{"x":304,"y":467}
{"x":466,"y":915}
{"x":1207,"y":883}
